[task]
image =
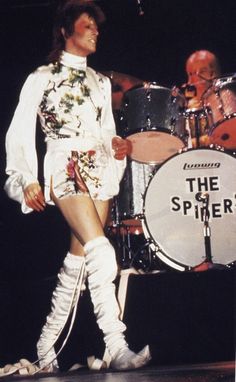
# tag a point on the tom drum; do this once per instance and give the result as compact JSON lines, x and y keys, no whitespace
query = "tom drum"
{"x":148,"y":121}
{"x":220,"y":105}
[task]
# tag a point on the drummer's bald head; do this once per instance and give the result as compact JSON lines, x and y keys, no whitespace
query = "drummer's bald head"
{"x":204,"y":57}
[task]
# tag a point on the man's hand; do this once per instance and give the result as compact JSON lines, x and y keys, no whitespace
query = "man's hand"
{"x":121,"y":147}
{"x":34,"y":197}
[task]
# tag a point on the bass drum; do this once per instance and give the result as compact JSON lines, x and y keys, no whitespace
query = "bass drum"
{"x":173,"y":215}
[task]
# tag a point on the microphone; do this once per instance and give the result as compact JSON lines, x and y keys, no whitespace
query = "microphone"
{"x":202,"y":196}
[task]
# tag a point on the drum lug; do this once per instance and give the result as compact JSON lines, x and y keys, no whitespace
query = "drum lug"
{"x":154,"y":247}
{"x":141,"y":216}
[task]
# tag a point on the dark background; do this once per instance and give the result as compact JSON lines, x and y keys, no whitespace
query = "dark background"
{"x":153,"y":46}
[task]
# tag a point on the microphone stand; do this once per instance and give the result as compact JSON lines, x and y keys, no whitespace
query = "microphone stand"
{"x":206,"y":229}
{"x":207,"y":264}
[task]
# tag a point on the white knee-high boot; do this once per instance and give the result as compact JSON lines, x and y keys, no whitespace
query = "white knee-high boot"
{"x":64,"y":297}
{"x":101,"y":269}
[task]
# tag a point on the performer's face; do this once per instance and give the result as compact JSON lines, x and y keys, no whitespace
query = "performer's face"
{"x":200,"y":70}
{"x":83,"y":41}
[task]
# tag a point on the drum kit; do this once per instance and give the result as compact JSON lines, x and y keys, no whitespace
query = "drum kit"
{"x":176,"y":208}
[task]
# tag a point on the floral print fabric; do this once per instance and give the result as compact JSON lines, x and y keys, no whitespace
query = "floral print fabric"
{"x":78,"y":172}
{"x":73,"y":103}
{"x":65,"y":101}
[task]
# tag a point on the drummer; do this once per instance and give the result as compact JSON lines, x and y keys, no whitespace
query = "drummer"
{"x":202,"y":66}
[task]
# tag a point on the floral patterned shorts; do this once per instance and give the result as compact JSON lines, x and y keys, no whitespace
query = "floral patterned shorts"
{"x":72,"y":171}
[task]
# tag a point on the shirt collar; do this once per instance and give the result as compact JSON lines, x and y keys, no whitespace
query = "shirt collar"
{"x":73,"y":61}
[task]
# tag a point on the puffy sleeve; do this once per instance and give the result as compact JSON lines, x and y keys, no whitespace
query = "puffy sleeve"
{"x":21,"y":157}
{"x":109,"y":130}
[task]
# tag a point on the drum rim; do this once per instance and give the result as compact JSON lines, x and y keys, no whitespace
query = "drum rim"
{"x":227,"y":75}
{"x":148,"y":235}
{"x":142,"y":130}
{"x":214,"y":148}
{"x":159,"y":250}
{"x":146,"y":86}
{"x":218,"y":83}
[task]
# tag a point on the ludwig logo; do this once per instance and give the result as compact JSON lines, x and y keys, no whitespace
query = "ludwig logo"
{"x":203,"y":165}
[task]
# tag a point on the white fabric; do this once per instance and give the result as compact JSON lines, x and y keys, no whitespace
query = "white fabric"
{"x":101,"y":268}
{"x":22,"y":163}
{"x":128,"y":360}
{"x":64,"y":298}
{"x":103,"y":180}
{"x":23,"y":367}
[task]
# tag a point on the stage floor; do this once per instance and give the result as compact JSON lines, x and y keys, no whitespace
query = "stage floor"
{"x":214,"y":372}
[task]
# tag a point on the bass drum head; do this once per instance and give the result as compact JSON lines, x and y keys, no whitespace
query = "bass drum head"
{"x":173,"y":218}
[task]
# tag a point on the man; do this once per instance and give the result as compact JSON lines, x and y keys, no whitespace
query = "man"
{"x":202,"y":67}
{"x":83,"y":166}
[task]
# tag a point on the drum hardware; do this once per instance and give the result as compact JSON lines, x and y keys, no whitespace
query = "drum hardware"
{"x":133,"y":249}
{"x":128,"y":247}
{"x":196,"y":116}
{"x":231,"y":265}
{"x":203,"y":197}
{"x":148,"y":121}
{"x":120,"y":236}
{"x":155,"y":248}
{"x":193,"y":119}
{"x":120,"y":233}
{"x":196,"y":128}
{"x":144,"y":259}
{"x":128,"y":204}
{"x":219,"y":102}
{"x":173,"y":219}
{"x":122,"y":228}
{"x":151,"y":225}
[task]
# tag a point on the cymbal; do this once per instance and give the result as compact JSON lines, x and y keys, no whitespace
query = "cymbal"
{"x":121,"y":82}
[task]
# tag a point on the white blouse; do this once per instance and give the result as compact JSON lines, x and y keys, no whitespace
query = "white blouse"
{"x":68,"y":106}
